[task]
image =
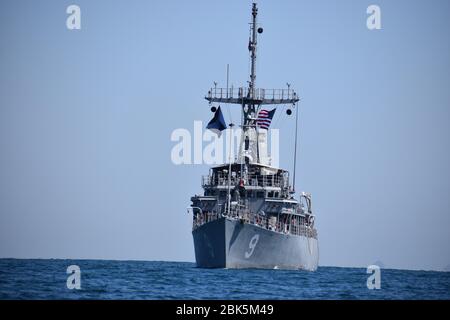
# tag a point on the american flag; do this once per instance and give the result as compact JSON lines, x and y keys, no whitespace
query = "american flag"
{"x":265,"y":118}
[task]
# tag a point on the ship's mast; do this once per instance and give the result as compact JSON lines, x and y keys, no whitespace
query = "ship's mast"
{"x":251,"y":99}
{"x":252,"y":48}
{"x":249,"y":145}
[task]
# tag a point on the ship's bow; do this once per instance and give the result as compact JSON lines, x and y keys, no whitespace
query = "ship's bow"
{"x":209,"y":244}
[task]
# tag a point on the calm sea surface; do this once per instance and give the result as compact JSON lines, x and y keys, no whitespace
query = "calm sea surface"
{"x":103,"y":279}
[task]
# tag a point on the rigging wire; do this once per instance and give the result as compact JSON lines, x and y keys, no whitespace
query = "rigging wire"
{"x":295,"y":147}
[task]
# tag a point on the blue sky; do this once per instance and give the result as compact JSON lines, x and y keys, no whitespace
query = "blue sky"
{"x":86,"y":118}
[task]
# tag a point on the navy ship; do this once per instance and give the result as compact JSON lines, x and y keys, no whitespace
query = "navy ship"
{"x":248,"y":215}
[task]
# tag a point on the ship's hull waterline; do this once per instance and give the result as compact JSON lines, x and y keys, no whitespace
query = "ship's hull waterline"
{"x":230,"y":243}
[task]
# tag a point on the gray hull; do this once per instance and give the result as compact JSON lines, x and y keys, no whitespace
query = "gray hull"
{"x":227,"y":243}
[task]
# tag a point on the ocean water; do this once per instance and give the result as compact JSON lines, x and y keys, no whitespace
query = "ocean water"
{"x":104,"y":279}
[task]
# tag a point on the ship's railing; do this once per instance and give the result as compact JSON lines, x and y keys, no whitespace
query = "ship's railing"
{"x":221,"y":179}
{"x":201,"y":218}
{"x":258,"y":94}
{"x":292,"y":227}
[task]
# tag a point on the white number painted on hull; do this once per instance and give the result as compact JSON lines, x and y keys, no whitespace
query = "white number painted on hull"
{"x":253,"y":241}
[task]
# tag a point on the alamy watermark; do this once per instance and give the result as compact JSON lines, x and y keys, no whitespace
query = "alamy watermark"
{"x":73,"y":21}
{"x":74,"y":278}
{"x":206,"y":147}
{"x":374,"y":20}
{"x":374,"y":280}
